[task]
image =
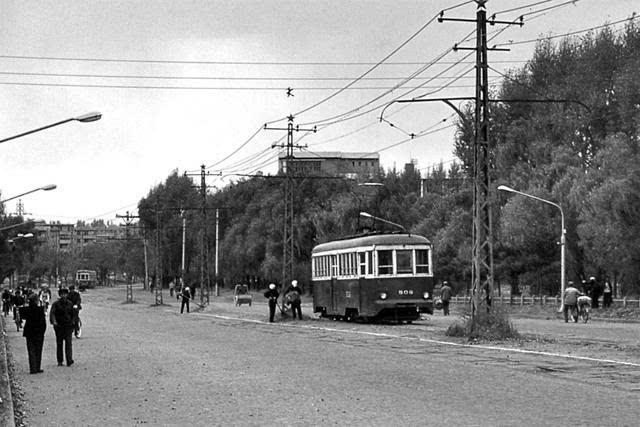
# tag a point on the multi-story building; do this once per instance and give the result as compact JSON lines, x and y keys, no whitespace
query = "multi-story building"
{"x":332,"y":163}
{"x":72,"y":238}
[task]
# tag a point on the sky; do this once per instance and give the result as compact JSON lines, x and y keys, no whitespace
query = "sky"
{"x":184,"y":83}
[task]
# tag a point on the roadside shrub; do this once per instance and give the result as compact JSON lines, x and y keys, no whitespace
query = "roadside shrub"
{"x":492,"y":325}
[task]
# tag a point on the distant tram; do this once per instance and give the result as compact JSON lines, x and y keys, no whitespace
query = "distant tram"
{"x":86,"y":279}
{"x":373,"y":277}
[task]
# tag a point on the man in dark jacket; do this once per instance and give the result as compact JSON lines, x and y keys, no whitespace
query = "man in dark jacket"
{"x":293,"y":295}
{"x":62,"y":318}
{"x":34,"y":328}
{"x":272,"y":296}
{"x":594,"y":291}
{"x":76,"y":300}
{"x":186,"y":297}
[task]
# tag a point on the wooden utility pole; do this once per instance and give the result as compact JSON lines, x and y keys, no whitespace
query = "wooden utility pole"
{"x":128,"y":220}
{"x":205,"y":285}
{"x":287,"y":241}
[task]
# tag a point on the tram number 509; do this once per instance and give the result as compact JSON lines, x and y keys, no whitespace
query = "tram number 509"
{"x":405,"y":291}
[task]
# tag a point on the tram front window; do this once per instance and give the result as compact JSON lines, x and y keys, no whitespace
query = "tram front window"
{"x":403,"y":259}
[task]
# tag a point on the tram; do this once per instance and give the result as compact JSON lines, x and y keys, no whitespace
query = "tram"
{"x":86,"y":279}
{"x":373,"y":277}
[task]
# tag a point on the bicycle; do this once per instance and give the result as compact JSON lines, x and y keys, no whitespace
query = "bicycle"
{"x":584,"y":308}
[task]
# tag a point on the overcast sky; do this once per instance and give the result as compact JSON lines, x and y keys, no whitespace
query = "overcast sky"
{"x":183,"y":83}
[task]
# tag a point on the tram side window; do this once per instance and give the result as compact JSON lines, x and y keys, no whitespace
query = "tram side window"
{"x":334,"y":266}
{"x":422,"y":261}
{"x":362,"y":263}
{"x":385,"y":262}
{"x":404,"y":262}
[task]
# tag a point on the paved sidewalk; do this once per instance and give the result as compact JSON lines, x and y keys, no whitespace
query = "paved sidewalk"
{"x":6,"y":398}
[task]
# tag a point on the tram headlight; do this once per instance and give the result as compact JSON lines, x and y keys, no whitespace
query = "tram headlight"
{"x":425,"y":295}
{"x":383,"y":295}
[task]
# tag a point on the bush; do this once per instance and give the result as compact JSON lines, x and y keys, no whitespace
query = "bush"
{"x":493,"y":325}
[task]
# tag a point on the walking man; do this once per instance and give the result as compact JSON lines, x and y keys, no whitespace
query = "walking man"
{"x":62,"y":318}
{"x":445,"y":296}
{"x":570,"y":302}
{"x":34,"y":328}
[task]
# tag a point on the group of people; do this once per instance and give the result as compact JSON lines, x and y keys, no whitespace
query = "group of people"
{"x":595,"y":290}
{"x":63,"y":316}
{"x":572,"y":297}
{"x":292,"y":296}
{"x":15,"y":298}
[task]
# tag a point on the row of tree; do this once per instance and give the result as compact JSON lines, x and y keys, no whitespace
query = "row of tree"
{"x":576,"y":145}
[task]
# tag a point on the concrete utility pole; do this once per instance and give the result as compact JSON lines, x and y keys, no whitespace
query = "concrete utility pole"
{"x":287,"y":244}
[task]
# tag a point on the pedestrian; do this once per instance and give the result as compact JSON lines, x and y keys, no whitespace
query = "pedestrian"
{"x":186,"y":296}
{"x":570,"y":302}
{"x":595,"y":290}
{"x":76,"y":300}
{"x":272,"y":297}
{"x":445,"y":296}
{"x":607,"y":295}
{"x":6,"y":301}
{"x":61,"y":317}
{"x":34,"y":327}
{"x":171,"y":287}
{"x":293,"y":294}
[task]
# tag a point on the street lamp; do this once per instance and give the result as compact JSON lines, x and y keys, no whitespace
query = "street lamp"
{"x":44,"y":188}
{"x":366,"y":215}
{"x":562,"y":236}
{"x":20,"y":236}
{"x":84,"y":118}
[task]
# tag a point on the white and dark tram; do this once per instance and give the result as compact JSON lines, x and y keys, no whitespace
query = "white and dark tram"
{"x":373,"y":277}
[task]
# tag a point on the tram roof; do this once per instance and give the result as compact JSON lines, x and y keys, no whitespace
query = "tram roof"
{"x":372,"y":239}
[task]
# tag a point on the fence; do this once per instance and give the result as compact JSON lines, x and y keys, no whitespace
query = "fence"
{"x":543,"y":300}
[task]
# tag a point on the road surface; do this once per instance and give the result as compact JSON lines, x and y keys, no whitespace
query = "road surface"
{"x":145,"y":364}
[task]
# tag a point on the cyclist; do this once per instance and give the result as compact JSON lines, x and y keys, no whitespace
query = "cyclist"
{"x":570,"y":302}
{"x":18,"y":301}
{"x":584,"y":306}
{"x":76,"y":299}
{"x":45,"y":297}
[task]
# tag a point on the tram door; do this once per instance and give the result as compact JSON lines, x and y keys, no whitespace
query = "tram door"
{"x":335,"y":291}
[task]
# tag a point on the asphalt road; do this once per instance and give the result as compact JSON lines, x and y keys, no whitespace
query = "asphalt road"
{"x":145,"y":364}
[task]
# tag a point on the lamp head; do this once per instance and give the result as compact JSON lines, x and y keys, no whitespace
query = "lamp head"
{"x":366,"y":215}
{"x":89,"y":117}
{"x":49,"y":187}
{"x":505,"y":188}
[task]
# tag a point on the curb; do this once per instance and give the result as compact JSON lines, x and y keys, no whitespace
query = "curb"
{"x":7,"y":415}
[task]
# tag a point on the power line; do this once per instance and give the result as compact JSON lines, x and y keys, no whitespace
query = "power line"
{"x":568,"y":34}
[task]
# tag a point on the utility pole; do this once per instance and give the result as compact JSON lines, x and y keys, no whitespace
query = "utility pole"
{"x":287,"y":241}
{"x":128,"y":220}
{"x":158,"y":267}
{"x":204,"y":256}
{"x":482,"y":251}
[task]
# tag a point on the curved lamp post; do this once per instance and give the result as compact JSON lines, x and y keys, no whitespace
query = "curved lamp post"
{"x":85,"y":118}
{"x":366,"y":215}
{"x":44,"y":188}
{"x":20,"y":236}
{"x":562,"y":236}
